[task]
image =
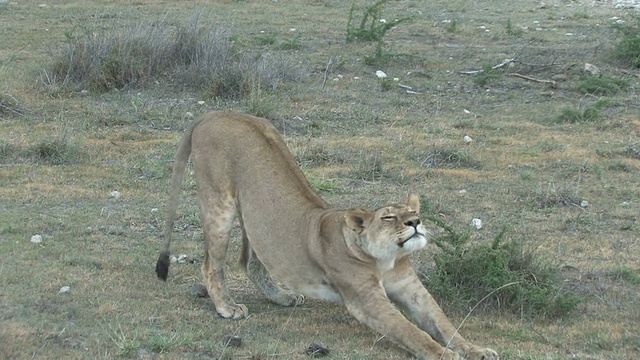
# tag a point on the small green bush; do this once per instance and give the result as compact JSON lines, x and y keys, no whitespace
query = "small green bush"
{"x":591,"y":114}
{"x":605,"y":86}
{"x":465,"y":273}
{"x":628,"y":47}
{"x":371,"y":28}
{"x":55,"y":151}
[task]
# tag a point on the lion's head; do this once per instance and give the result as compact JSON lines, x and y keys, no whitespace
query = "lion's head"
{"x":391,"y":231}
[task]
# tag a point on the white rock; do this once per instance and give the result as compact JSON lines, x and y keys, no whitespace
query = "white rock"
{"x":84,"y":92}
{"x":476,"y":223}
{"x":182,"y":258}
{"x":200,"y":102}
{"x":64,"y":289}
{"x":584,"y":203}
{"x":467,"y":139}
{"x":188,"y":115}
{"x":380,"y":74}
{"x":591,"y":69}
{"x":115,"y":194}
{"x":463,"y":191}
{"x":154,"y":210}
{"x":384,"y":21}
{"x":173,"y":260}
{"x":36,"y":239}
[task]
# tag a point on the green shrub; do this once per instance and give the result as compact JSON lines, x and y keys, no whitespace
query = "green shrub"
{"x":601,"y":86}
{"x":628,"y":47}
{"x":503,"y":275}
{"x":55,"y":151}
{"x":591,"y":114}
{"x":371,"y":28}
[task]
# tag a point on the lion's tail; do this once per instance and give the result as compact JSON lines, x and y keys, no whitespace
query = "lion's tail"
{"x":179,"y":165}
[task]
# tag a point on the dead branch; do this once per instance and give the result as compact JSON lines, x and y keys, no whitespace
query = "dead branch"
{"x":550,"y":82}
{"x":504,"y":63}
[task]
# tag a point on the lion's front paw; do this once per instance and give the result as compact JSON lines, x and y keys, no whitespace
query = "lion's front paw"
{"x":478,"y":353}
{"x":299,"y":299}
{"x":237,"y":311}
{"x":449,"y":355}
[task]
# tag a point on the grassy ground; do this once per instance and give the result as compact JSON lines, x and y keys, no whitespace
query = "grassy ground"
{"x":538,"y":153}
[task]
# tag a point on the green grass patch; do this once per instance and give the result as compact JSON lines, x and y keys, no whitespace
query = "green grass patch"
{"x":592,"y":114}
{"x":628,"y":47}
{"x":500,"y":276}
{"x":604,"y":86}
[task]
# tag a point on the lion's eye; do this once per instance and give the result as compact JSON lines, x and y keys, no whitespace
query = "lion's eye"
{"x":388,"y":218}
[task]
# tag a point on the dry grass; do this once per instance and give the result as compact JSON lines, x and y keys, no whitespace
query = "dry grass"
{"x":62,"y":153}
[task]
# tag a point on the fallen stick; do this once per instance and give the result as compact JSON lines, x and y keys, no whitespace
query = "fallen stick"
{"x":550,"y":82}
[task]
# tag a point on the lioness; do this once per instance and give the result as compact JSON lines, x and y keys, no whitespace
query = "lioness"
{"x":291,"y":236}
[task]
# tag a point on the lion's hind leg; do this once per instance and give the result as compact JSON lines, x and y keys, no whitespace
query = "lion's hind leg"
{"x":217,"y":220}
{"x":261,"y":278}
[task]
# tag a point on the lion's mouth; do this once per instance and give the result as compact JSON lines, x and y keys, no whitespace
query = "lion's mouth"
{"x":415,"y":234}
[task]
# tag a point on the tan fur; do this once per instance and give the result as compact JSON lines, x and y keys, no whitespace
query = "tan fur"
{"x":291,"y":236}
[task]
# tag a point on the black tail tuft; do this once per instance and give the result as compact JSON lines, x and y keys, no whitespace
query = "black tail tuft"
{"x":162,"y":266}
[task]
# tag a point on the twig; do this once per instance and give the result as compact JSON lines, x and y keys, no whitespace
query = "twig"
{"x":550,"y":82}
{"x":504,"y":63}
{"x":326,"y":71}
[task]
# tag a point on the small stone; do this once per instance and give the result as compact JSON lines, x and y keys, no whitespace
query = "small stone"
{"x":200,"y":102}
{"x":115,"y":194}
{"x":173,"y":259}
{"x":182,"y":258}
{"x":64,"y":290}
{"x":463,"y":191}
{"x":584,"y":203}
{"x":198,"y":290}
{"x":467,"y":139}
{"x":591,"y":69}
{"x":315,"y":350}
{"x":188,"y":115}
{"x":36,"y":239}
{"x":84,"y":92}
{"x":154,"y":210}
{"x":381,"y":74}
{"x":476,"y":223}
{"x":233,"y":341}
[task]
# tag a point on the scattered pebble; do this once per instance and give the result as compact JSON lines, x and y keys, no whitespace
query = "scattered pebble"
{"x":476,"y":223}
{"x":381,"y":74}
{"x":467,"y":139}
{"x":154,"y":210}
{"x":36,"y":239}
{"x":315,"y":350}
{"x":584,"y":203}
{"x":200,"y":102}
{"x":64,"y":290}
{"x":115,"y":194}
{"x":463,"y":191}
{"x":591,"y":69}
{"x":233,"y":341}
{"x":188,"y":115}
{"x":198,"y":290}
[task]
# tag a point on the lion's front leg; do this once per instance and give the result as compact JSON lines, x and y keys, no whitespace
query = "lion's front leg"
{"x":368,"y":303}
{"x":405,"y":289}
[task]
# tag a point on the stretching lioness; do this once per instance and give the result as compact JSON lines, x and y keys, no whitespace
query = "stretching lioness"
{"x":291,"y":236}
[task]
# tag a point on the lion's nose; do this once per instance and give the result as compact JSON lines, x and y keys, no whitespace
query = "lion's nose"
{"x":412,"y":222}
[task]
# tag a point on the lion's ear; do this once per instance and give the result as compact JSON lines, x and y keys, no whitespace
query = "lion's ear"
{"x":413,"y":201}
{"x":356,"y":219}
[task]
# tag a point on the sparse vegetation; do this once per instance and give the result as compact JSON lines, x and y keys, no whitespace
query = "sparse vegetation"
{"x":604,"y":86}
{"x":592,"y":114}
{"x":10,"y":106}
{"x":188,"y":53}
{"x":628,"y":47}
{"x":372,"y":27}
{"x":503,"y":273}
